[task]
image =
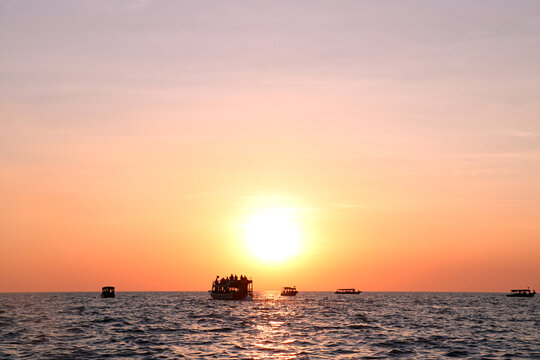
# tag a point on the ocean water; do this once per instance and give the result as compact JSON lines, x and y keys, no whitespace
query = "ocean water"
{"x":312,"y":325}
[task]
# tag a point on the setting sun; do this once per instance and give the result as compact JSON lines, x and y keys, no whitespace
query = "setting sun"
{"x":273,"y":234}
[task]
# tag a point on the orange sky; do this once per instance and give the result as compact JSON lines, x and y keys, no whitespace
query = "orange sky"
{"x":136,"y":137}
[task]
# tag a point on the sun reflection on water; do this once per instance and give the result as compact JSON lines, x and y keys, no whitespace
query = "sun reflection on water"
{"x":273,"y":338}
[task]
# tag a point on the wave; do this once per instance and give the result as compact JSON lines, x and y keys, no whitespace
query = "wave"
{"x":315,"y":325}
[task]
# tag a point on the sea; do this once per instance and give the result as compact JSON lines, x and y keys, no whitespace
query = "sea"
{"x":312,"y":325}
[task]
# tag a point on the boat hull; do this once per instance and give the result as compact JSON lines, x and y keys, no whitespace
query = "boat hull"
{"x":230,"y":296}
{"x":521,"y":295}
{"x":289,"y":293}
{"x":347,"y":293}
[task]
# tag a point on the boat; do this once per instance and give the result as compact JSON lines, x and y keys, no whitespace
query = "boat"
{"x":347,"y":291}
{"x":522,"y":293}
{"x":107,"y":292}
{"x":289,"y":291}
{"x":232,"y":288}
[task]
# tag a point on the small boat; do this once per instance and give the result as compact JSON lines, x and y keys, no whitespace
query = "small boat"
{"x":232,"y":288}
{"x":289,"y":291}
{"x":521,"y":293}
{"x":107,"y":292}
{"x":347,"y":291}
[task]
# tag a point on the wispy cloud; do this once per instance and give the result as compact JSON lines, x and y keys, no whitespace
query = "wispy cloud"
{"x":521,"y":133}
{"x":503,"y":155}
{"x":122,"y":5}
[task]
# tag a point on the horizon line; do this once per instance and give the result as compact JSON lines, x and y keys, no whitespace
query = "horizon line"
{"x":205,"y":291}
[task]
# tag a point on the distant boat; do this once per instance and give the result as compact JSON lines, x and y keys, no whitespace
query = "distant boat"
{"x":232,"y":288}
{"x":107,"y":292}
{"x":521,"y":293}
{"x":347,"y":291}
{"x":289,"y":291}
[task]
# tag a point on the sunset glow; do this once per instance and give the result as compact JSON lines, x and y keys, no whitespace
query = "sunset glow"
{"x":152,"y":145}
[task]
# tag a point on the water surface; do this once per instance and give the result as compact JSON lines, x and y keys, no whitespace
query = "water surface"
{"x":312,"y":325}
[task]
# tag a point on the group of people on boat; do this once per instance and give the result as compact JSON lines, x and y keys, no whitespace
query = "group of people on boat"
{"x":232,"y":281}
{"x":232,"y":288}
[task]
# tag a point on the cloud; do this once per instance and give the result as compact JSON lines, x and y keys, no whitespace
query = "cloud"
{"x":121,"y":5}
{"x":521,"y":133}
{"x":503,"y":155}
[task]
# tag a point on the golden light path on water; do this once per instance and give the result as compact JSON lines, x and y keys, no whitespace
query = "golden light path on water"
{"x":274,"y":339}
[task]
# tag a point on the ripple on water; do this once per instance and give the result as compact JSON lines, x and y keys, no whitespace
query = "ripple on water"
{"x":314,"y":325}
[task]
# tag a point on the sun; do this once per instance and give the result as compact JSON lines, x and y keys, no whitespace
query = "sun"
{"x":273,"y":234}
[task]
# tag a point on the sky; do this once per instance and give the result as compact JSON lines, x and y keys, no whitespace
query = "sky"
{"x":137,"y":139}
